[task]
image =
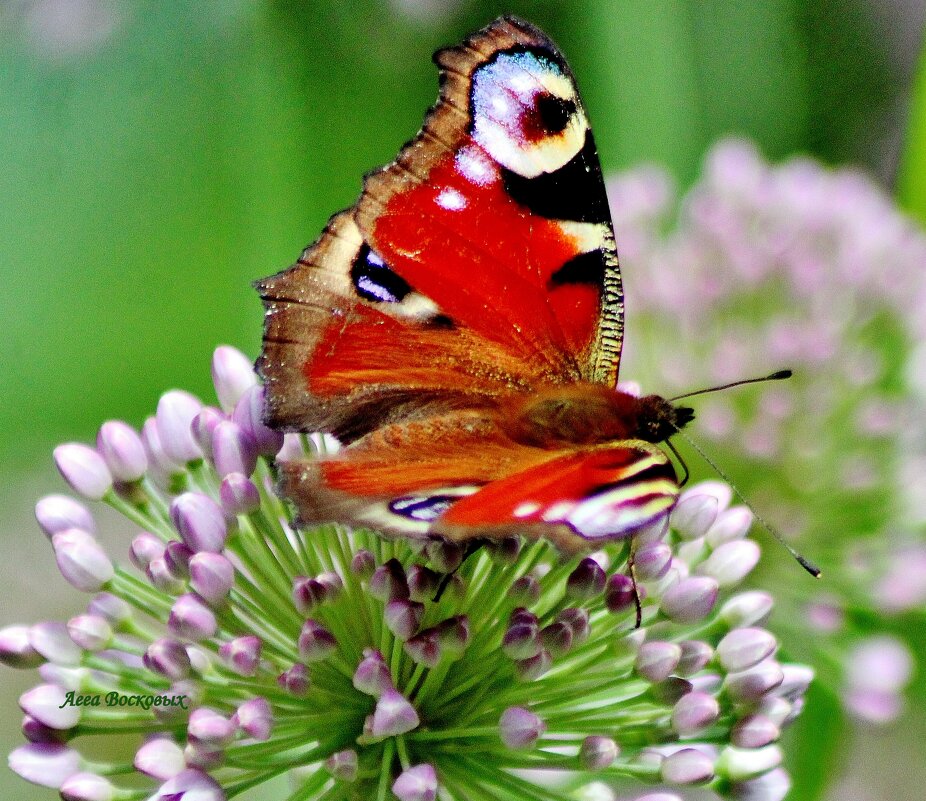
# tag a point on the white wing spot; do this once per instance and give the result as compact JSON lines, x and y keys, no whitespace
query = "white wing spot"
{"x":558,"y":511}
{"x":473,"y":165}
{"x":451,"y":200}
{"x":525,"y":509}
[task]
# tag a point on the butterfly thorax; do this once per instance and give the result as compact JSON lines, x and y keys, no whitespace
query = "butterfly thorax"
{"x":592,"y":414}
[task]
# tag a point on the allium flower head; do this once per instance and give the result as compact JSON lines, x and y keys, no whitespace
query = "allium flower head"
{"x":758,"y":268}
{"x":224,"y":646}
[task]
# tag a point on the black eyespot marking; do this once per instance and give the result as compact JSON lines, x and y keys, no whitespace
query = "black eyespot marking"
{"x":586,"y":268}
{"x":373,"y":279}
{"x":422,"y":507}
{"x":555,"y":112}
{"x":573,"y":192}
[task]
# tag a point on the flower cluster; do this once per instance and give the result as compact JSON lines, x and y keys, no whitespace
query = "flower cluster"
{"x":240,"y":648}
{"x":760,"y":267}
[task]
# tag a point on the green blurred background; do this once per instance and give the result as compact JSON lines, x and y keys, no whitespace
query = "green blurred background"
{"x":158,"y":157}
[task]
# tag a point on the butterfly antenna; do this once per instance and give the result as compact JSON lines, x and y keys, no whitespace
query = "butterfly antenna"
{"x":809,"y":566}
{"x":632,"y":570}
{"x":780,"y":375}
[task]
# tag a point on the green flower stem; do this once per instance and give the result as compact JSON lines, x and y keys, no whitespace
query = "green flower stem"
{"x":385,"y":770}
{"x":402,"y":749}
{"x":142,"y":596}
{"x":155,"y":525}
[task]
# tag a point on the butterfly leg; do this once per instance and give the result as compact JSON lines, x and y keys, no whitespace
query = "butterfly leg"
{"x":681,"y":461}
{"x":632,"y":571}
{"x":471,"y":547}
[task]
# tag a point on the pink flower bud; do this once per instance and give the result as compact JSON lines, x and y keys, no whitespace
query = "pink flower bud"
{"x":239,"y":495}
{"x":176,"y":410}
{"x":81,"y":560}
{"x":84,"y":470}
{"x":656,"y":660}
{"x":520,"y":728}
{"x":249,"y":414}
{"x":47,"y":703}
{"x":343,"y":765}
{"x":160,"y":758}
{"x":122,"y":450}
{"x":191,"y":619}
{"x":87,"y":787}
{"x":242,"y":654}
{"x":45,"y":764}
{"x":255,"y":718}
{"x":233,"y":450}
{"x":393,"y":715}
{"x":200,"y":521}
{"x":90,"y":632}
{"x":417,"y":783}
{"x":232,"y":374}
{"x":56,"y":513}
{"x":15,"y":649}
{"x":212,"y":575}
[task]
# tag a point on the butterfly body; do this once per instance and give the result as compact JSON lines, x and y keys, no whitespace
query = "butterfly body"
{"x":459,"y":329}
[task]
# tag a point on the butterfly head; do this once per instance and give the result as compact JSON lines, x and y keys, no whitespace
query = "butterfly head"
{"x":658,"y":418}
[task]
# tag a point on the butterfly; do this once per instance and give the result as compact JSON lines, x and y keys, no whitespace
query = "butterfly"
{"x":459,"y":329}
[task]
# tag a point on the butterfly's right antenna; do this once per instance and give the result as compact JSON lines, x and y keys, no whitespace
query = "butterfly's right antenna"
{"x":805,"y":563}
{"x":780,"y":375}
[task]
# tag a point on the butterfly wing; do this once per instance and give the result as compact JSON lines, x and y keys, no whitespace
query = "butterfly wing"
{"x":480,"y":263}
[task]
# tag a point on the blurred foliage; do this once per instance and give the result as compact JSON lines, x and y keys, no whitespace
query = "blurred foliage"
{"x":160,"y":156}
{"x":912,"y":179}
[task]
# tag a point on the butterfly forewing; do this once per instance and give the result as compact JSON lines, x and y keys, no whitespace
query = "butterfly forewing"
{"x":477,"y":270}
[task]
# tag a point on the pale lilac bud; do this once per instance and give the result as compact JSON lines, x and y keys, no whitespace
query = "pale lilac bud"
{"x":694,"y":712}
{"x":618,"y":593}
{"x":177,"y":558}
{"x":232,"y":375}
{"x":771,"y":786}
{"x":388,"y":582}
{"x":200,"y":521}
{"x":393,"y":715}
{"x":84,"y":470}
{"x":739,"y":764}
{"x":203,"y":426}
{"x":695,"y":656}
{"x":190,"y":785}
{"x":47,"y":704}
{"x":730,"y":563}
{"x":37,"y":732}
{"x":694,"y":514}
{"x":417,"y":783}
{"x":577,"y":620}
{"x":797,"y":679}
{"x":653,"y":561}
{"x":343,"y":765}
{"x":534,"y":667}
{"x":174,"y":416}
{"x":208,"y":726}
{"x":648,"y":534}
{"x":742,"y":648}
{"x":161,"y":576}
{"x":296,"y":680}
{"x":586,"y":581}
{"x":90,"y":632}
{"x":879,"y":663}
{"x":520,"y":728}
{"x":372,"y":676}
{"x":777,"y":710}
{"x":316,"y":642}
{"x":212,"y":575}
{"x":70,"y":678}
{"x":249,"y":414}
{"x":81,"y":560}
{"x":110,"y":608}
{"x":403,"y":617}
{"x":255,"y":718}
{"x":659,"y":797}
{"x":363,"y":564}
{"x":690,"y":600}
{"x":445,"y":556}
{"x":16,"y":650}
{"x":752,"y":684}
{"x":242,"y":654}
{"x":556,"y":638}
{"x":747,"y":609}
{"x":422,"y":583}
{"x":753,"y":731}
{"x":687,"y":766}
{"x":203,"y":756}
{"x":239,"y":495}
{"x":45,"y":764}
{"x":191,"y":619}
{"x":169,"y":658}
{"x":157,"y":457}
{"x":160,"y":758}
{"x":56,"y":513}
{"x":122,"y":450}
{"x":424,"y":648}
{"x":732,"y":524}
{"x":87,"y":787}
{"x":233,"y":450}
{"x":522,"y":640}
{"x":656,"y":660}
{"x":145,"y":549}
{"x":50,"y":638}
{"x":453,"y":633}
{"x":598,"y":753}
{"x":525,"y":591}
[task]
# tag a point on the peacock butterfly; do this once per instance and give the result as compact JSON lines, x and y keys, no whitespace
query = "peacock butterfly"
{"x":459,"y":329}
